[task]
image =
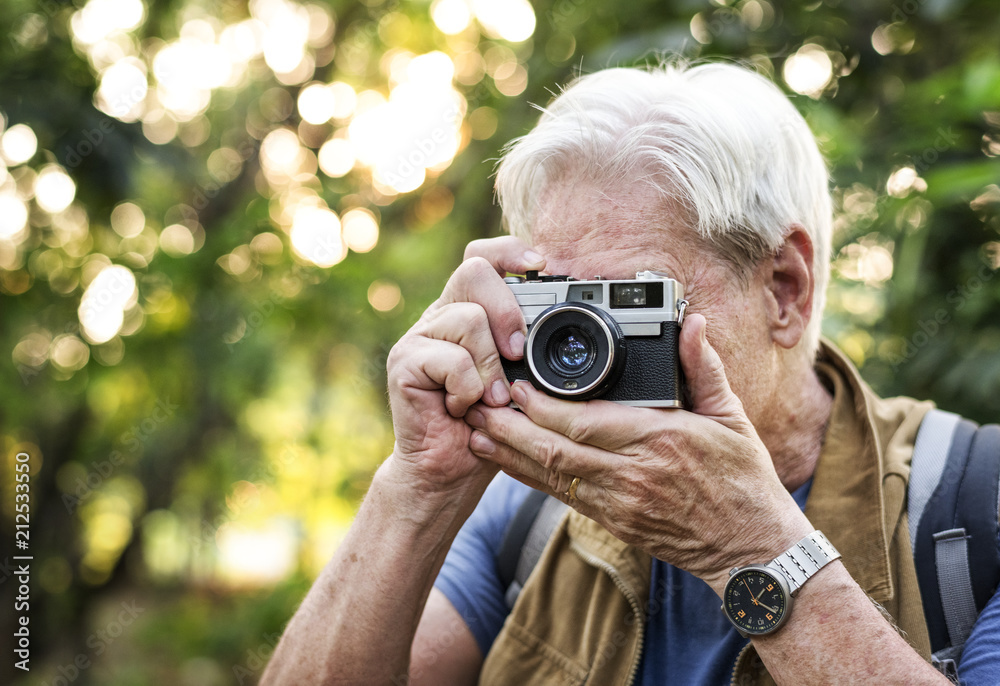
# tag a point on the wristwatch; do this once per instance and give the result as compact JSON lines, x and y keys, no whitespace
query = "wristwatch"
{"x":758,"y":598}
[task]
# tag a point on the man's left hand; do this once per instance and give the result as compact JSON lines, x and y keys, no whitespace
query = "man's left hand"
{"x":695,"y":488}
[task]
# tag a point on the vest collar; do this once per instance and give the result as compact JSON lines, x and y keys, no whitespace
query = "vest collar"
{"x":846,"y":499}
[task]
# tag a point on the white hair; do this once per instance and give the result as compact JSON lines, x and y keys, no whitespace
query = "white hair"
{"x":722,"y":140}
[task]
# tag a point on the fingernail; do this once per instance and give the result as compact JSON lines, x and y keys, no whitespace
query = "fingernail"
{"x":531,"y":257}
{"x":475,"y":418}
{"x":481,"y":445}
{"x":499,"y":392}
{"x":518,"y":395}
{"x":517,"y":343}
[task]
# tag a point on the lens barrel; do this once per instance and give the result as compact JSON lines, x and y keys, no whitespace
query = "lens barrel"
{"x":575,"y":351}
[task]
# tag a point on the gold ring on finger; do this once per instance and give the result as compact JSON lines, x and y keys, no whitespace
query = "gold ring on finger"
{"x":571,"y":491}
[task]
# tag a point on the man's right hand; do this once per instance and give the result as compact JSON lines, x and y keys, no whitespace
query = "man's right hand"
{"x":349,"y":629}
{"x":450,"y":359}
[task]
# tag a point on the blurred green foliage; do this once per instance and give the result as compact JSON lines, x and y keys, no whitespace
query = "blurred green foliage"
{"x":201,"y":464}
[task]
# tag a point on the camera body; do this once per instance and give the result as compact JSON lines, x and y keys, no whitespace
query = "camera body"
{"x":610,"y":339}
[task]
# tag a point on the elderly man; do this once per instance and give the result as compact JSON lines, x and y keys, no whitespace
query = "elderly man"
{"x":707,"y":174}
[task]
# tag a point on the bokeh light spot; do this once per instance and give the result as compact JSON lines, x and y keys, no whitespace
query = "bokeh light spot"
{"x":316,"y":103}
{"x":316,"y":236}
{"x":100,"y":18}
{"x":904,"y":180}
{"x":13,"y":217}
{"x":69,"y":353}
{"x":360,"y":229}
{"x":102,"y":308}
{"x":451,"y":16}
{"x":345,"y":99}
{"x":19,"y":144}
{"x":336,"y":157}
{"x":384,"y":295}
{"x":249,"y":556}
{"x":54,"y":189}
{"x":483,"y":122}
{"x":128,"y":219}
{"x":123,"y":90}
{"x":809,"y":70}
{"x":512,"y":20}
{"x":177,"y":240}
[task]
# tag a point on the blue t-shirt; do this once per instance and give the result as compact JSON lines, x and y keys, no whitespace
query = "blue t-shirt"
{"x":684,"y":644}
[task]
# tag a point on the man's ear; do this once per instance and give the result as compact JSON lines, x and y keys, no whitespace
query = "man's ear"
{"x":789,"y":284}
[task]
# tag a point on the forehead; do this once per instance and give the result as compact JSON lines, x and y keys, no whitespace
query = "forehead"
{"x":585,"y":229}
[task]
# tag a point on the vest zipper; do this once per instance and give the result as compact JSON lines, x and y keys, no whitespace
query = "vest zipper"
{"x":739,"y":658}
{"x":632,"y":599}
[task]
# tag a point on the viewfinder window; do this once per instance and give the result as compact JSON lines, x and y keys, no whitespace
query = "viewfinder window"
{"x":632,"y":295}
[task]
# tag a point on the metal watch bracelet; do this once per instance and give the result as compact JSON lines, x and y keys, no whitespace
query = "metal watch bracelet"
{"x":804,"y":559}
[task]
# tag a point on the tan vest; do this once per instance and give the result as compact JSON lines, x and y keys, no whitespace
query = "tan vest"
{"x":581,"y":615}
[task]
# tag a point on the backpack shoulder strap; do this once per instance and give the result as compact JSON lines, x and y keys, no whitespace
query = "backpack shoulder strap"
{"x":525,"y":539}
{"x":953,"y":510}
{"x":930,"y":451}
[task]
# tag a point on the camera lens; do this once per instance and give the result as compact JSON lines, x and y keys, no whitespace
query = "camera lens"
{"x":571,"y":351}
{"x":574,"y":351}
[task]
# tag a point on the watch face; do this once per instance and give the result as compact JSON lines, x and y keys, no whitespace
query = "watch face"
{"x":756,"y":600}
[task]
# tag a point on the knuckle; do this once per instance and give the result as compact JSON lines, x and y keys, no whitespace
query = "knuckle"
{"x":461,"y":367}
{"x":455,"y":321}
{"x":403,"y":364}
{"x":666,"y":443}
{"x":476,"y":332}
{"x":474,"y":249}
{"x":642,"y":496}
{"x":490,"y":368}
{"x":631,"y":494}
{"x":401,"y":381}
{"x":580,"y":427}
{"x":426,"y":321}
{"x":549,"y":455}
{"x":638,"y":493}
{"x":464,"y":370}
{"x":397,"y":353}
{"x":475,"y":268}
{"x":493,"y":427}
{"x":474,"y":384}
{"x":476,"y":316}
{"x":465,"y":396}
{"x":554,"y":480}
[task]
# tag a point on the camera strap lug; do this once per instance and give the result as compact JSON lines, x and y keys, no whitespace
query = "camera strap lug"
{"x":682,"y":306}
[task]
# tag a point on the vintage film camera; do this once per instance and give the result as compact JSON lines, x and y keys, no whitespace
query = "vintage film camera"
{"x":616,"y":340}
